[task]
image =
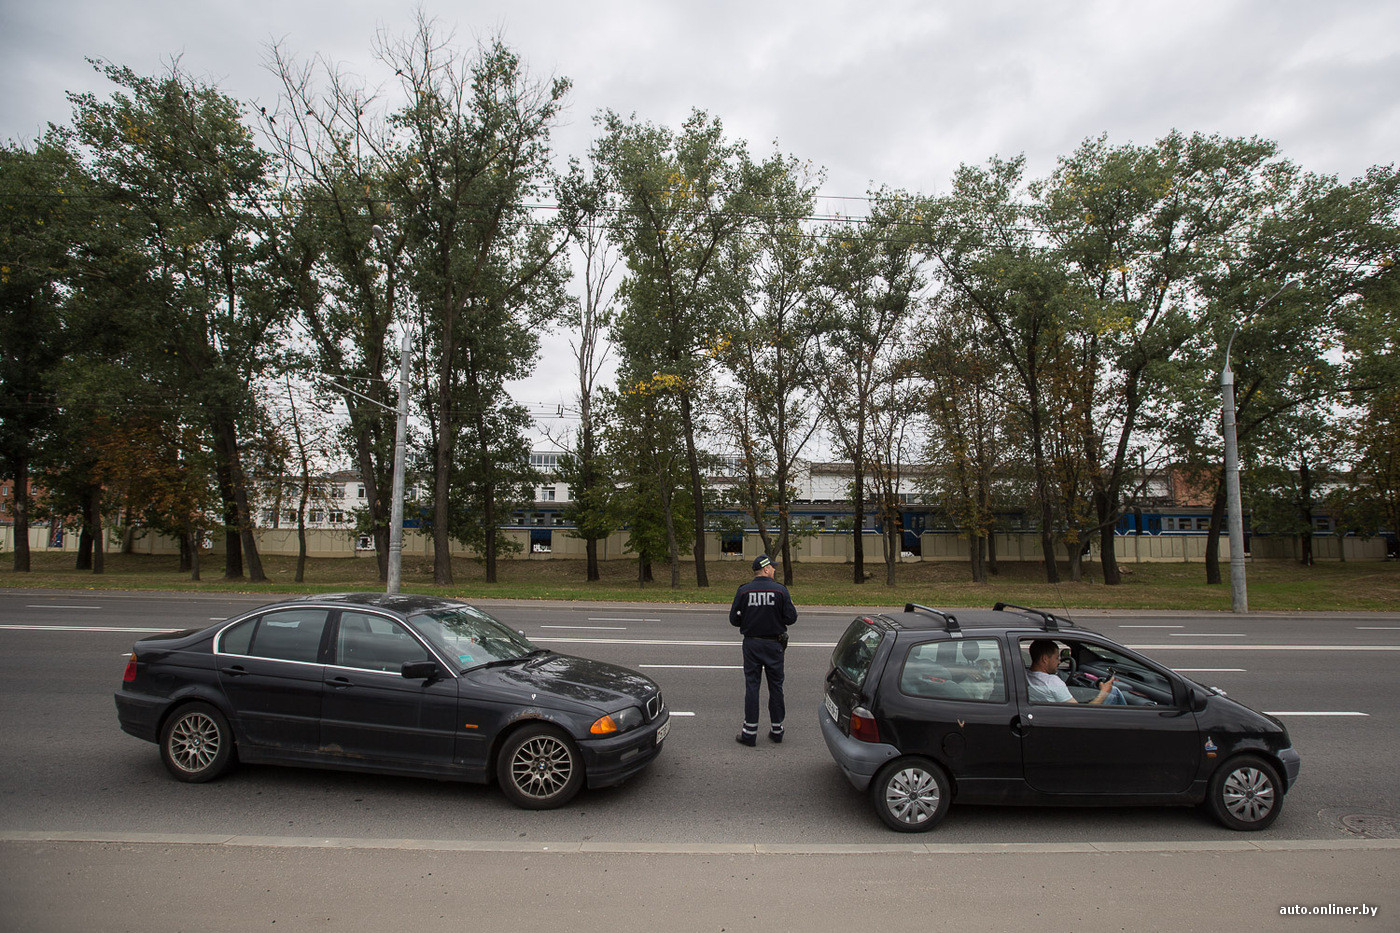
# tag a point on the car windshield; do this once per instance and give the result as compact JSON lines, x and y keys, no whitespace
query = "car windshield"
{"x":470,"y":636}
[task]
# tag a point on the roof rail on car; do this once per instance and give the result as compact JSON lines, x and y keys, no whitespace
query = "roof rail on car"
{"x":949,"y":621}
{"x":1050,"y":623}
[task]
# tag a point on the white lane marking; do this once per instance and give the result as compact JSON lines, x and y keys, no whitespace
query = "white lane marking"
{"x":676,"y":712}
{"x":591,"y":628}
{"x":1181,"y":647}
{"x":1313,"y":713}
{"x":218,"y":618}
{"x":1210,"y":670}
{"x":1152,"y":626}
{"x":1378,"y":628}
{"x":1207,"y":634}
{"x":63,"y":607}
{"x":85,"y":628}
{"x":694,"y":667}
{"x":591,"y":619}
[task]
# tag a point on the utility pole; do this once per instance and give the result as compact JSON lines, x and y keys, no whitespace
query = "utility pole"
{"x":1239,"y":595}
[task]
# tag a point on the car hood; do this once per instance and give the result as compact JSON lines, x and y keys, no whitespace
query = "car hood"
{"x":595,"y":683}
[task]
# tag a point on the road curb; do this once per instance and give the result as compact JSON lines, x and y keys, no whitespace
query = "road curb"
{"x":737,"y":848}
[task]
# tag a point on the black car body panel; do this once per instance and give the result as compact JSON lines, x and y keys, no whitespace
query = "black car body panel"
{"x":331,"y":702}
{"x":956,"y":694}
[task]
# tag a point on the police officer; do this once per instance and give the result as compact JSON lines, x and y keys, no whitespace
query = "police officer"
{"x":763,"y":610}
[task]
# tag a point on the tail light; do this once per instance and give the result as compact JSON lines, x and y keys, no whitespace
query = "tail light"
{"x":863,"y":725}
{"x":130,"y":674}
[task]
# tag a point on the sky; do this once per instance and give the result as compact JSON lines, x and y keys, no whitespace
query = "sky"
{"x":896,"y":93}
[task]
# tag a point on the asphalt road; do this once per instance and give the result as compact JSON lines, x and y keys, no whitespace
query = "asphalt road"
{"x":94,"y":835}
{"x":1330,"y":677}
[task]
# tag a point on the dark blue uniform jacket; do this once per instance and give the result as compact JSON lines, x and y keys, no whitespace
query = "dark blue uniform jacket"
{"x":762,"y":609}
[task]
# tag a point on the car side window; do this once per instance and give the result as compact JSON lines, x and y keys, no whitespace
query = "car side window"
{"x":289,"y":635}
{"x":236,"y":639}
{"x":374,"y":643}
{"x":955,"y":669}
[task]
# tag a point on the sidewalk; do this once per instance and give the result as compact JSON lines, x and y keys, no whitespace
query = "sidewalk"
{"x":159,"y":886}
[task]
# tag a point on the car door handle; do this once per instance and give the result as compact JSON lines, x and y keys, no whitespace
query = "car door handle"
{"x":339,"y":682}
{"x":234,"y":671}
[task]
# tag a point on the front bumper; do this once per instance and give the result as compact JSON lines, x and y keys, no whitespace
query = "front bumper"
{"x":858,"y":760}
{"x":1292,"y":764}
{"x":613,"y":760}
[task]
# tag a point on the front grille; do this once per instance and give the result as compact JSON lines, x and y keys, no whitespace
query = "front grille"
{"x":654,"y":707}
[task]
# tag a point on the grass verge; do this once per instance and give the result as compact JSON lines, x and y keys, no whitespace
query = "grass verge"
{"x":1273,"y":585}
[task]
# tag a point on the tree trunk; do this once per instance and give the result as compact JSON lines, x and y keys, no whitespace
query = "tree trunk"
{"x":1305,"y":511}
{"x":194,"y":542}
{"x":185,"y":551}
{"x":488,"y":517}
{"x":99,"y":545}
{"x":858,"y":516}
{"x":1217,"y":519}
{"x":21,"y":513}
{"x":1107,"y":511}
{"x":977,"y":557}
{"x":992,"y":554}
{"x":84,"y":560}
{"x":374,"y":499}
{"x":697,"y":493}
{"x":894,"y":546}
{"x":590,"y":550}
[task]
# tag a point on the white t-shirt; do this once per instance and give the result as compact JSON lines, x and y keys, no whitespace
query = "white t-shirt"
{"x":1047,"y":688}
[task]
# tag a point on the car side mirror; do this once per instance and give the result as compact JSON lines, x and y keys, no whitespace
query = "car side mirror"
{"x":420,"y":670}
{"x":1197,"y":698}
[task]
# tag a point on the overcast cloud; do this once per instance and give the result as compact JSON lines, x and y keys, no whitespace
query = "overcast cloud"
{"x":883,"y":93}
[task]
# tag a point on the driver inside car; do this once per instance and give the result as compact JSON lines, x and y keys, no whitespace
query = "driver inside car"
{"x":1045,"y":685}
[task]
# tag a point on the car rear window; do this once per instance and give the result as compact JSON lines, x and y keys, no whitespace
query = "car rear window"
{"x":856,"y":650}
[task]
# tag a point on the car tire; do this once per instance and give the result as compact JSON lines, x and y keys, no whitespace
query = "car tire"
{"x":539,"y":768}
{"x":196,"y":743}
{"x":911,"y":794}
{"x":1246,"y":793}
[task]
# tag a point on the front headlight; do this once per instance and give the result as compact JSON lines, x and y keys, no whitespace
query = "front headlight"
{"x":620,"y":721}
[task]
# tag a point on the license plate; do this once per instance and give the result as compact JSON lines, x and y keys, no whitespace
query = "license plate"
{"x":661,"y":733}
{"x":831,"y":709}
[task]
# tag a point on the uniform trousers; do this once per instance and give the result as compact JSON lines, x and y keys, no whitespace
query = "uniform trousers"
{"x":760,"y":655}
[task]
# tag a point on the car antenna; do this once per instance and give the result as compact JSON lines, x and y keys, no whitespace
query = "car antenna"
{"x":1052,"y":622}
{"x":949,"y":620}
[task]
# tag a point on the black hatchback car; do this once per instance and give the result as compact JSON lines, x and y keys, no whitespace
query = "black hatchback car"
{"x":924,"y":707}
{"x":408,"y":685}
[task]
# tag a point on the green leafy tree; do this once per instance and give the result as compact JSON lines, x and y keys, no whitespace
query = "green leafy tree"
{"x":642,"y":440}
{"x":38,"y":223}
{"x":1134,"y":225}
{"x":346,"y":284}
{"x":767,"y":406}
{"x":684,"y":197}
{"x":992,"y":265}
{"x":870,"y":279}
{"x":485,"y":271}
{"x":185,"y":190}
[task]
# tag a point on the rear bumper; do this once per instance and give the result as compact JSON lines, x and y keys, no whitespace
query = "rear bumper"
{"x":613,"y":760}
{"x":858,"y":760}
{"x":139,"y":714}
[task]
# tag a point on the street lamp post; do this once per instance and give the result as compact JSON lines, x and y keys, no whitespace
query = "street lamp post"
{"x":396,"y":510}
{"x":1239,"y":596}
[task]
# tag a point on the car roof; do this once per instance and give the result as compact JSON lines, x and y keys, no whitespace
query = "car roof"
{"x":401,"y":603}
{"x":957,"y":622}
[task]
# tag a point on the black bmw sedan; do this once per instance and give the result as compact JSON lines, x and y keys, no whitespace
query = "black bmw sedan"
{"x":409,"y":685}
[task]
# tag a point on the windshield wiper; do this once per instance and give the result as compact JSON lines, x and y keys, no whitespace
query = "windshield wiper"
{"x":501,"y":662}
